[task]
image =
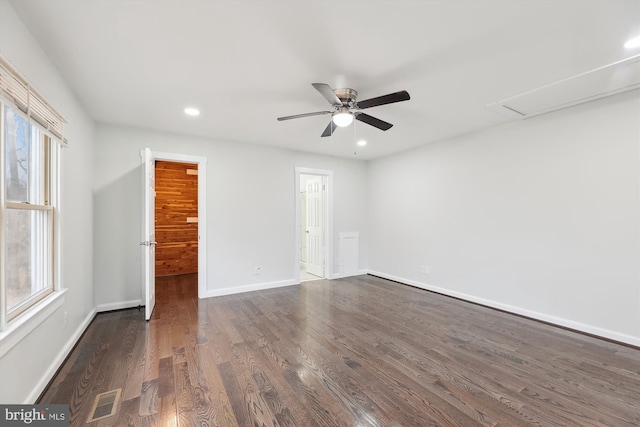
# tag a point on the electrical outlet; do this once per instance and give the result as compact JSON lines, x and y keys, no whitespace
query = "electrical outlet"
{"x":425,"y":269}
{"x":256,"y":271}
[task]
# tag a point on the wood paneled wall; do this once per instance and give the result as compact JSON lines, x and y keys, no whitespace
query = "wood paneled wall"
{"x":176,"y":210}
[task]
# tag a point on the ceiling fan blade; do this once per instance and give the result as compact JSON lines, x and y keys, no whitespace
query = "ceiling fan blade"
{"x":297,"y":116}
{"x":403,"y":95}
{"x":370,"y":120}
{"x":326,"y":91}
{"x":329,"y":129}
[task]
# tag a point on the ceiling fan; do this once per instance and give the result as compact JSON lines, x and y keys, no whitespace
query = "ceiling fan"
{"x":346,"y":108}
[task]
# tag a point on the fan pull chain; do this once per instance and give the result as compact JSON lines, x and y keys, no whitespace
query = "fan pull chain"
{"x":355,"y":136}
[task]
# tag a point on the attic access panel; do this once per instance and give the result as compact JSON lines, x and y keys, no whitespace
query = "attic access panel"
{"x":618,"y":77}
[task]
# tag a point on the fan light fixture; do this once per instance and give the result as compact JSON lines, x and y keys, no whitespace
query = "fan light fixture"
{"x":342,"y":118}
{"x":345,"y":108}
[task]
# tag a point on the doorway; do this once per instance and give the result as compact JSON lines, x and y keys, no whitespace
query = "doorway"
{"x":314,"y":224}
{"x":149,"y":159}
{"x":176,"y":218}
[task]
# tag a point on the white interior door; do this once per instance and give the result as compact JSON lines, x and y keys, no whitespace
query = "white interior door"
{"x":303,"y":227}
{"x":148,"y":242}
{"x":315,"y":224}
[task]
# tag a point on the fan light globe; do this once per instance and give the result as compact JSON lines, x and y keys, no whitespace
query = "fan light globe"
{"x":342,"y":119}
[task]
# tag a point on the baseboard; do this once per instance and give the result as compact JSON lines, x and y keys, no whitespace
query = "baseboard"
{"x":358,"y":273}
{"x":559,"y":321}
{"x":248,"y":288}
{"x":59,"y":359}
{"x":118,"y":305}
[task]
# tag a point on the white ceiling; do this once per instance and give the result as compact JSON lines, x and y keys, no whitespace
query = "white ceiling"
{"x":245,"y":63}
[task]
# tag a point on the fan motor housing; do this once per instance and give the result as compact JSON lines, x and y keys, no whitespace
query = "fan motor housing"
{"x":346,"y":95}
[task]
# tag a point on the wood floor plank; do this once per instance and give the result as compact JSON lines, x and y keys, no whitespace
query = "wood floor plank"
{"x":151,"y":348}
{"x":353,"y":351}
{"x":184,"y":395}
{"x":221,"y":407}
{"x":148,"y":398}
{"x":82,"y":392}
{"x":236,"y":396}
{"x":130,"y":363}
{"x":166,"y":380}
{"x":168,"y":412}
{"x":128,"y":414}
{"x":195,"y":358}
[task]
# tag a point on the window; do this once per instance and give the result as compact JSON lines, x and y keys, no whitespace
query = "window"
{"x":30,"y":139}
{"x":28,"y":213}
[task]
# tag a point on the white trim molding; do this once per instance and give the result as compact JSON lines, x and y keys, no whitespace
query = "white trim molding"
{"x":28,"y":321}
{"x":118,"y":305}
{"x":57,"y":362}
{"x":249,"y":288}
{"x":360,"y":272}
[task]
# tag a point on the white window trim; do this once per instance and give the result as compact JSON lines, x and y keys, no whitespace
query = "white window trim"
{"x":29,"y":320}
{"x":15,"y":330}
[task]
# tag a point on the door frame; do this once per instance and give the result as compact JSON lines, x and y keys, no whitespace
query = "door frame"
{"x":201,"y":163}
{"x":328,"y":221}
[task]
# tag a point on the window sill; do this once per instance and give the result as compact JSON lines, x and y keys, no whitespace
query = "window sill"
{"x":29,"y":320}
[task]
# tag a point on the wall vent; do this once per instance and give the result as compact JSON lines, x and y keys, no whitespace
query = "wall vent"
{"x":618,"y":77}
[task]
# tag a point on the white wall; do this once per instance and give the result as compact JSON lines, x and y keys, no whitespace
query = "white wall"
{"x":250,"y":209}
{"x":539,"y":217}
{"x":28,"y":366}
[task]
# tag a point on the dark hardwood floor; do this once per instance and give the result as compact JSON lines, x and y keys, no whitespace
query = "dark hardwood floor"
{"x":360,"y":351}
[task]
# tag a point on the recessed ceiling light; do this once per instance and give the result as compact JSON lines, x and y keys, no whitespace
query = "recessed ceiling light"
{"x":190,"y":111}
{"x":634,"y":42}
{"x":362,"y":143}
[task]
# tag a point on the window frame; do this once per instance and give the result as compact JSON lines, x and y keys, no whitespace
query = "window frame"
{"x":17,"y":309}
{"x":25,"y":316}
{"x":41,"y":265}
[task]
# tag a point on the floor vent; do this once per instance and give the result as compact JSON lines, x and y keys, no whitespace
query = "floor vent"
{"x":105,"y":405}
